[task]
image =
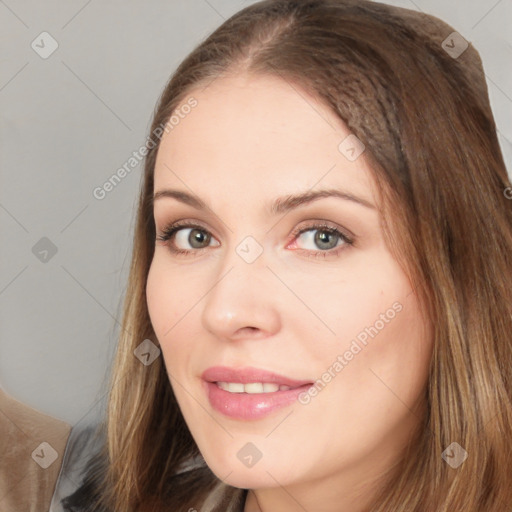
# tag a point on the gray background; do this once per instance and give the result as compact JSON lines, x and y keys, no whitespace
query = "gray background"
{"x":67,"y":123}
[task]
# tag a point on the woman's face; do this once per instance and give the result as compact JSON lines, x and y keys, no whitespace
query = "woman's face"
{"x":268,"y":286}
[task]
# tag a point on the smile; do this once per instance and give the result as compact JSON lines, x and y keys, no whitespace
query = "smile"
{"x":252,"y":387}
{"x":249,"y":393}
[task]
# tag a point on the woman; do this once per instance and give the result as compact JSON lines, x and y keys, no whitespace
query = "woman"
{"x":318,"y":314}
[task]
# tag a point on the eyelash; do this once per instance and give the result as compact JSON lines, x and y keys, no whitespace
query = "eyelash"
{"x":169,"y":231}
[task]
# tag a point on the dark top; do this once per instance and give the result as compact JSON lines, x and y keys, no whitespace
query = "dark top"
{"x":82,"y":467}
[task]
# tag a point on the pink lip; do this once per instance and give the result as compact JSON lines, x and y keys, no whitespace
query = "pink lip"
{"x":249,"y":406}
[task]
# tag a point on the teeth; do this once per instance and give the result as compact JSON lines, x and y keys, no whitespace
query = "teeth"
{"x":252,"y":387}
{"x":256,"y":387}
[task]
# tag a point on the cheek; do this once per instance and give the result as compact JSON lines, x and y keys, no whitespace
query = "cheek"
{"x":374,"y":302}
{"x":157,"y":298}
{"x":398,"y":338}
{"x":379,"y":360}
{"x":169,"y":297}
{"x":382,"y":380}
{"x":373,"y":399}
{"x":173,"y":298}
{"x":166,"y":309}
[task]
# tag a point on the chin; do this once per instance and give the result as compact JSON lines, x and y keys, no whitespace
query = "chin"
{"x":248,"y":478}
{"x":262,"y":474}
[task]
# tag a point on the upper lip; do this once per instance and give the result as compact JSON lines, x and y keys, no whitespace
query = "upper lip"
{"x":249,"y":374}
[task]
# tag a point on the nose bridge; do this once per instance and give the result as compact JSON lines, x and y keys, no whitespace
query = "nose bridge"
{"x":240,"y":294}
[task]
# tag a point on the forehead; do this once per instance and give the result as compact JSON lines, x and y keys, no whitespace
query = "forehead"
{"x":257,"y":130}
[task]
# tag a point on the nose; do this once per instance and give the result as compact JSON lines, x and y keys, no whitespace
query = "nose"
{"x":242,"y":302}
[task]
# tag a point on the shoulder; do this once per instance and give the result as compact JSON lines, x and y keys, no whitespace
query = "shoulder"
{"x":32,"y":445}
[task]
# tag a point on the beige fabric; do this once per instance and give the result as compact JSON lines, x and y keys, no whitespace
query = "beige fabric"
{"x":26,"y":484}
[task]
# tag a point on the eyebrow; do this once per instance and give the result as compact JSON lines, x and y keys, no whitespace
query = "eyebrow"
{"x":279,"y":205}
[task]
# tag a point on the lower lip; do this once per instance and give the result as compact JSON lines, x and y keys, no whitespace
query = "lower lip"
{"x":250,"y":406}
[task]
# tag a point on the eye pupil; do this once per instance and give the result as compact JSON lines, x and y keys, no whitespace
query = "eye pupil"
{"x":321,"y":238}
{"x":196,"y":235}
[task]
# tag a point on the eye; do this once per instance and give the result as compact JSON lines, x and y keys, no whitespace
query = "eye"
{"x":329,"y":238}
{"x":183,"y":233}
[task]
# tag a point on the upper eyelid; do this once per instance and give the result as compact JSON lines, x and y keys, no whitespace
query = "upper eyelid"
{"x":312,"y":224}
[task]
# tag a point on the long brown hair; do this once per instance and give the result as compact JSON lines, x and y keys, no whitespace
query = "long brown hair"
{"x":425,"y":119}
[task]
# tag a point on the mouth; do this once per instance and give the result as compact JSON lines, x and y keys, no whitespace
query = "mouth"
{"x":253,"y":387}
{"x":253,"y":380}
{"x":250,"y":393}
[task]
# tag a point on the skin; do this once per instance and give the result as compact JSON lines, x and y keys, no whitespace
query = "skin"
{"x":249,"y":140}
